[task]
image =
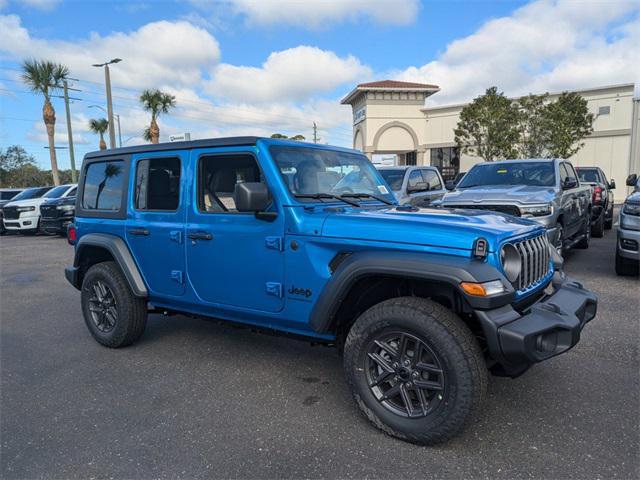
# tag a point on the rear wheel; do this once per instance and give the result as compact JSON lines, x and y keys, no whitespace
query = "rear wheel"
{"x":608,"y":222}
{"x":597,"y":229}
{"x":114,"y":316}
{"x":415,"y":370}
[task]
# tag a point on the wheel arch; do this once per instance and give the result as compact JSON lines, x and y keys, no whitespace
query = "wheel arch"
{"x":95,"y":248}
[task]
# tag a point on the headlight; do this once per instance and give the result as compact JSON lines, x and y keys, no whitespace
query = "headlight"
{"x":66,"y":208}
{"x":536,"y":210}
{"x":510,"y":259}
{"x":25,"y":209}
{"x":631,"y":209}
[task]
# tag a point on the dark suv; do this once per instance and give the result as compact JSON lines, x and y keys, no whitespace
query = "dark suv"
{"x":601,"y":199}
{"x":308,"y":241}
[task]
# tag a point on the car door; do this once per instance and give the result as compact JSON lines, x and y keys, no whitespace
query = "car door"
{"x":416,"y":187}
{"x":155,"y":220}
{"x":583,"y":199}
{"x":233,"y":258}
{"x":435,"y":185}
{"x":569,"y":201}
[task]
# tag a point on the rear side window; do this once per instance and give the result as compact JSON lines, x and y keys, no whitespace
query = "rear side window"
{"x":158,"y":184}
{"x":103,"y":185}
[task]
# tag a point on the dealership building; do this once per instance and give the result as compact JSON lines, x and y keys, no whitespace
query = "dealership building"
{"x":393,"y":121}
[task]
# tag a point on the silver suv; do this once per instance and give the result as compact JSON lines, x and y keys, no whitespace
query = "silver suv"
{"x":414,"y":185}
{"x":628,"y":245}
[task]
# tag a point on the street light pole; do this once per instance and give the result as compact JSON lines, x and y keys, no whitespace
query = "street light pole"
{"x":107,"y":81}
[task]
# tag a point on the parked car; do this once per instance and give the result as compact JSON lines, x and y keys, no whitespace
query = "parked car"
{"x":547,"y":191}
{"x":22,"y":214}
{"x":451,"y":184}
{"x":267,"y":233}
{"x":628,"y":244}
{"x":57,"y":214}
{"x":411,"y":185}
{"x":6,"y":194}
{"x":601,"y":198}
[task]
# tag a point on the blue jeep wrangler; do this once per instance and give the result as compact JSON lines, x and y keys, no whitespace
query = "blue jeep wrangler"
{"x":308,"y":241}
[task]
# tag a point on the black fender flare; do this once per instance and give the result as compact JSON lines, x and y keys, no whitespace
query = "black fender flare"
{"x":121,"y":255}
{"x":447,"y":269}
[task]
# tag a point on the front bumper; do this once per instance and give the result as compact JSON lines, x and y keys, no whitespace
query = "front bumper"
{"x":629,"y":244}
{"x":549,"y":327}
{"x":55,"y":225}
{"x":21,"y":223}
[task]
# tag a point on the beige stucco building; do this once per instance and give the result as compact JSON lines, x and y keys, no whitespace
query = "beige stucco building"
{"x":392,"y":117}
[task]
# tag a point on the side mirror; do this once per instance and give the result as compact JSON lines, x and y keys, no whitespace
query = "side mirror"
{"x":252,"y":197}
{"x":632,"y":180}
{"x":569,"y":183}
{"x":450,"y":185}
{"x":612,"y":184}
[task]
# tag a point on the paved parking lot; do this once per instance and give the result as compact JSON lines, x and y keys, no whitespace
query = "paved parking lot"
{"x":200,"y":399}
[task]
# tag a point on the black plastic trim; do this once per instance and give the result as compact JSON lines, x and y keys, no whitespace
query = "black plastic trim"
{"x":423,"y":266}
{"x":120,"y":253}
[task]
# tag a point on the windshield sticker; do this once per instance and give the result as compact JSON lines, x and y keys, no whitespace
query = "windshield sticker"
{"x":382,"y":189}
{"x":503,"y":170}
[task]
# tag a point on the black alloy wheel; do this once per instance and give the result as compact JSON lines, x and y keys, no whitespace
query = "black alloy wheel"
{"x":102,"y":306}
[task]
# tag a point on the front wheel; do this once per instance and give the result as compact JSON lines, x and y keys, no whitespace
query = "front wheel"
{"x":415,"y":369}
{"x":114,"y":316}
{"x":583,"y":244}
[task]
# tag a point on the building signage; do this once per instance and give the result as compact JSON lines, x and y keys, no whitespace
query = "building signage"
{"x":359,"y":115}
{"x":182,"y":137}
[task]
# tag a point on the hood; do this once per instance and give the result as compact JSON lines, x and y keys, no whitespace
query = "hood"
{"x":441,"y":228}
{"x":521,"y":194}
{"x":60,"y":201}
{"x":32,"y":202}
{"x":634,"y":197}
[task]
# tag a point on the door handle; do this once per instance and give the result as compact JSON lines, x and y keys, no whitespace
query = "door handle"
{"x":200,"y":235}
{"x":139,"y":231}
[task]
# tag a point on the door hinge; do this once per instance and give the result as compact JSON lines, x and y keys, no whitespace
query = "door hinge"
{"x":176,"y":236}
{"x":177,"y":276}
{"x":274,"y":243}
{"x":274,"y":288}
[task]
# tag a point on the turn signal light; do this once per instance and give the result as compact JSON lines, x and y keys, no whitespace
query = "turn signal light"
{"x":485,"y":289}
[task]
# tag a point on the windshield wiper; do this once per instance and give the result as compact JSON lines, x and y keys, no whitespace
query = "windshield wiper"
{"x":320,"y":196}
{"x":367,"y":195}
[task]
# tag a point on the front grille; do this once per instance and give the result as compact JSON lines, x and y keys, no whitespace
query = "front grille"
{"x":48,"y":211}
{"x":11,"y":213}
{"x":508,"y":209}
{"x":534,"y":261}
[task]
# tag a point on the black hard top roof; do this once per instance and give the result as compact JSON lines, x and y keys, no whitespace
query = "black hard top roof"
{"x":208,"y":142}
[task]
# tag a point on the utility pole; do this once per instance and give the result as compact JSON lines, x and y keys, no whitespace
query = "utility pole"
{"x":74,"y":173}
{"x":315,"y":133}
{"x":107,"y":81}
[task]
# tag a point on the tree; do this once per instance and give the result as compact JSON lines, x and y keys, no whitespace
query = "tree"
{"x":568,"y":121}
{"x":534,"y":126}
{"x":14,"y":164}
{"x":297,"y":137}
{"x":46,"y":77}
{"x":156,"y":102}
{"x":488,"y":127}
{"x":99,"y":126}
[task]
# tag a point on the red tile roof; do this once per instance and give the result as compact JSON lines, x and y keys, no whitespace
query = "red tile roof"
{"x":395,"y":84}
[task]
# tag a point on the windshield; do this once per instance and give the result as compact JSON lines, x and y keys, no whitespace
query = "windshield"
{"x":540,"y":174}
{"x":8,"y":195}
{"x":314,"y":172}
{"x":393,"y":177}
{"x":589,"y":176}
{"x":31,"y":193}
{"x":57,"y":192}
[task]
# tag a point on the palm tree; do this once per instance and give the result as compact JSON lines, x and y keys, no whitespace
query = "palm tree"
{"x":110,"y":170}
{"x":99,"y":126}
{"x":156,"y":102}
{"x":46,"y":77}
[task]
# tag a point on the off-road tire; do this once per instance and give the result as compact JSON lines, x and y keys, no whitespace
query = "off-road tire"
{"x":626,"y":267}
{"x":131,"y":310}
{"x":597,"y":229}
{"x":460,"y":357}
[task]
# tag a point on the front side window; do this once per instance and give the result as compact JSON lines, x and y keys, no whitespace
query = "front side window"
{"x":158,"y":184}
{"x":103,"y":185}
{"x":432,"y":179}
{"x":218,"y":176}
{"x":313,"y":172}
{"x":539,"y":174}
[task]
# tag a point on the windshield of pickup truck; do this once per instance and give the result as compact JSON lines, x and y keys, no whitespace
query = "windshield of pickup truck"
{"x":31,"y":193}
{"x":538,"y":174}
{"x":315,"y":174}
{"x":588,"y":175}
{"x":393,"y":177}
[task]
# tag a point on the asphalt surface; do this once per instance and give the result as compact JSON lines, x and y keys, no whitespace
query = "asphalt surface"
{"x":198,"y":399}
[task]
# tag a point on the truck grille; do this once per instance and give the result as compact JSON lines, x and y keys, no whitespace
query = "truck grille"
{"x":10,"y":213}
{"x":49,"y":211}
{"x":508,"y":209}
{"x":534,"y":255}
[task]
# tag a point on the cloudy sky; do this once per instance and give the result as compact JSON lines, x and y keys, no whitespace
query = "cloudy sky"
{"x":265,"y":66}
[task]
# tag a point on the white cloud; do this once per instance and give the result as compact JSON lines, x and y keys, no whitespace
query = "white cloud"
{"x":158,"y":52}
{"x":319,"y":13}
{"x":40,"y":4}
{"x":292,"y":74}
{"x":543,"y":46}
